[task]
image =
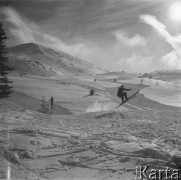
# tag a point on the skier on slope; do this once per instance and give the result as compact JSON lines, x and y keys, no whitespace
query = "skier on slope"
{"x":51,"y":102}
{"x":92,"y":92}
{"x":122,"y":94}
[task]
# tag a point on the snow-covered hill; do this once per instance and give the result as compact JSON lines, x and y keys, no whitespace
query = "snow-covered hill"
{"x":36,"y":59}
{"x":166,"y":75}
{"x":119,"y":75}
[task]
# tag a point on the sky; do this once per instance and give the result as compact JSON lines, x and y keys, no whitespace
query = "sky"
{"x":117,"y":35}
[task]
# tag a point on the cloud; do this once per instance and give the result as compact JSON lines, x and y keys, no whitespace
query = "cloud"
{"x":137,"y":63}
{"x":136,"y":40}
{"x":26,"y":31}
{"x":172,"y":59}
{"x":168,"y":59}
{"x":22,"y":30}
{"x":161,"y":28}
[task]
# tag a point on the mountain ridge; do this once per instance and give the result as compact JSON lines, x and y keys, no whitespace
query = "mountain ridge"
{"x":173,"y":75}
{"x":31,"y":58}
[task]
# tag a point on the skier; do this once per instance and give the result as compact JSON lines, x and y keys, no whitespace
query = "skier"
{"x":51,"y":102}
{"x":92,"y":92}
{"x":122,"y":94}
{"x":141,"y":81}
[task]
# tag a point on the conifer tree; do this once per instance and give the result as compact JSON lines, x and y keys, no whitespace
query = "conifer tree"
{"x":5,"y":89}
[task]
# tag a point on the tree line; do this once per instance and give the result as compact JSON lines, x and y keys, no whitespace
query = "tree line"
{"x":5,"y":88}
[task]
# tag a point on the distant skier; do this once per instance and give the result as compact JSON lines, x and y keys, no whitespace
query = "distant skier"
{"x":92,"y":92}
{"x":51,"y":102}
{"x":141,"y":81}
{"x":122,"y":94}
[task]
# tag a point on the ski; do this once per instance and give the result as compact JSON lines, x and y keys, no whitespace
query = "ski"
{"x":131,"y":97}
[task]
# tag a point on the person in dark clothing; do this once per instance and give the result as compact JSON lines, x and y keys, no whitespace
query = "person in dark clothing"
{"x":122,"y":94}
{"x":51,"y":102}
{"x":92,"y":92}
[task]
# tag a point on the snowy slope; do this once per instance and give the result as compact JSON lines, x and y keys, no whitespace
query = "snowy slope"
{"x":166,"y":75}
{"x":36,"y":59}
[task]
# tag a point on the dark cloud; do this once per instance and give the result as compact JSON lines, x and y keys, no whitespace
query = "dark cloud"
{"x":76,"y":17}
{"x":34,"y":9}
